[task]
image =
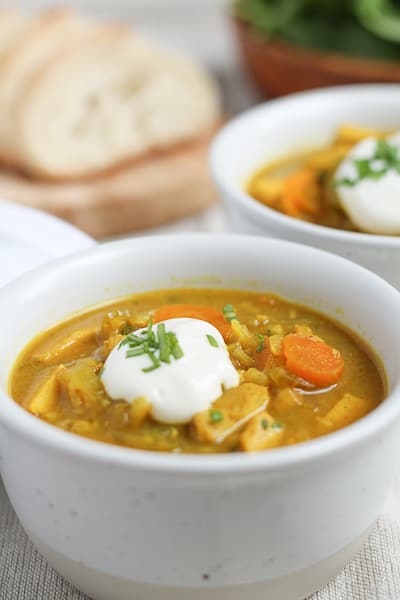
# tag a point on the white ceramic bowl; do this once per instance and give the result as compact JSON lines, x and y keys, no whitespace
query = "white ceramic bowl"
{"x":292,"y":124}
{"x":125,"y":524}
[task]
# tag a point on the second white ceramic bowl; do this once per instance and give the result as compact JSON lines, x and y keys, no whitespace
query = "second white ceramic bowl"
{"x":122,"y":523}
{"x":294,"y":124}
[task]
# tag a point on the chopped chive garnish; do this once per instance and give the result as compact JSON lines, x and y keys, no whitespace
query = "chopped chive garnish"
{"x":176,"y":350}
{"x":150,"y":327}
{"x":229,"y":312}
{"x":149,"y":369}
{"x":264,"y":424}
{"x":135,"y":352}
{"x":213,"y":342}
{"x":159,"y":346}
{"x":216,"y":416}
{"x":260,"y":346}
{"x":164,"y":343}
{"x":156,"y":363}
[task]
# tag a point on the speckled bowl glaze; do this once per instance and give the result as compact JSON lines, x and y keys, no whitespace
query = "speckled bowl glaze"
{"x":123,"y":524}
{"x":298,"y":123}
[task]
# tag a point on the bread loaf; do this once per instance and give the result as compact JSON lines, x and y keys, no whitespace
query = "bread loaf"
{"x":23,"y":56}
{"x":105,"y":102}
{"x":12,"y":26}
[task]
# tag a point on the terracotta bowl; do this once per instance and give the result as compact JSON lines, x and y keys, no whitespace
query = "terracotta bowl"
{"x":280,"y":68}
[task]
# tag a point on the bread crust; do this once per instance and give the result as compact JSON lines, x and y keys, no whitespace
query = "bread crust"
{"x":150,"y":193}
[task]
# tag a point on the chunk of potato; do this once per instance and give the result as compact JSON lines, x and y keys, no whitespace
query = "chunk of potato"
{"x":348,"y":409}
{"x":81,"y":385}
{"x":230,"y":413}
{"x":45,"y":398}
{"x":261,"y":433}
{"x":70,"y":348}
{"x":267,"y":190}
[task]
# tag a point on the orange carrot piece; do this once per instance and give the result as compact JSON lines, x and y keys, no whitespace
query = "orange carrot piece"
{"x":205,"y":313}
{"x":301,"y":193}
{"x":312,"y":359}
{"x":265,"y":358}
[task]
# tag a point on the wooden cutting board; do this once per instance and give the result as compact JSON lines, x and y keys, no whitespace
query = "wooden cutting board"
{"x":151,"y":192}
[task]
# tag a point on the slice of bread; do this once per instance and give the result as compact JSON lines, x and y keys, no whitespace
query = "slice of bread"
{"x":107,"y":101}
{"x":12,"y":26}
{"x":30,"y":49}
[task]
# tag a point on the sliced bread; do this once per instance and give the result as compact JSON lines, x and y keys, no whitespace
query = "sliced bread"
{"x":107,"y":101}
{"x":45,"y":35}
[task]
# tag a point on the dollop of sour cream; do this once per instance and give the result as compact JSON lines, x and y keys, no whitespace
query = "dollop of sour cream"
{"x":372,"y":204}
{"x":181,"y":388}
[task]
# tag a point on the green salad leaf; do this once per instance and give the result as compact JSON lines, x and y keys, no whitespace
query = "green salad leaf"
{"x":381,"y":17}
{"x":358,"y":27}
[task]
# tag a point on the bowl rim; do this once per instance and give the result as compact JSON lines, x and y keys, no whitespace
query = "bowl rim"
{"x":233,"y":194}
{"x":16,"y":419}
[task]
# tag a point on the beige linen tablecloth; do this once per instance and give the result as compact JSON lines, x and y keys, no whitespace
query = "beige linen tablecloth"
{"x":374,"y":574}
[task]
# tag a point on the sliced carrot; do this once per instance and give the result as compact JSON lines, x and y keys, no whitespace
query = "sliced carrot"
{"x":265,"y":358}
{"x":312,"y":360}
{"x":205,"y":313}
{"x":301,"y":193}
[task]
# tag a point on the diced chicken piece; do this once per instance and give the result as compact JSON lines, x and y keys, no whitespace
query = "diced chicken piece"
{"x":286,"y":400}
{"x":261,"y":433}
{"x":348,"y":409}
{"x":139,"y":411}
{"x":230,"y":413}
{"x":45,"y":398}
{"x":81,"y":385}
{"x":72,"y":347}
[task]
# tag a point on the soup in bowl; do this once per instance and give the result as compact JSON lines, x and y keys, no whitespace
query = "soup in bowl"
{"x":320,"y":168}
{"x":290,"y":415}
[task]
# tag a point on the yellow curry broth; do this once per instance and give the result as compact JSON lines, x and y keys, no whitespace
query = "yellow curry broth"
{"x":56,"y":377}
{"x":302,"y":185}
